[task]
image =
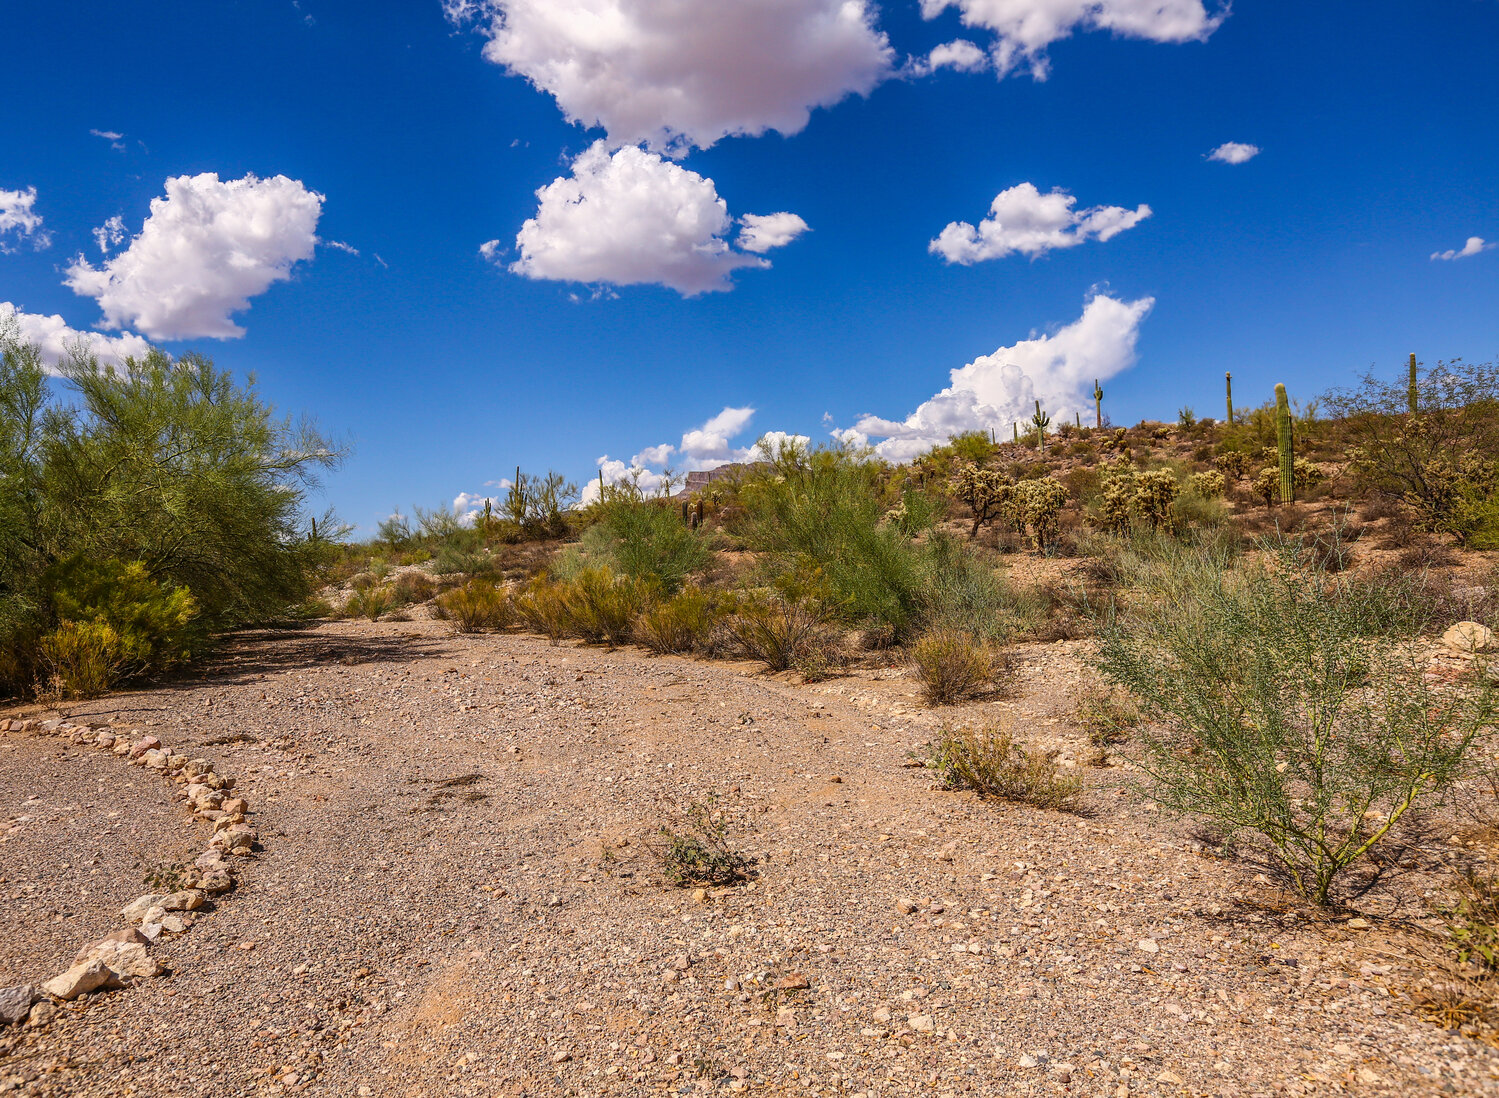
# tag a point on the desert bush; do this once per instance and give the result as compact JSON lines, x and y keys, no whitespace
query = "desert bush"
{"x":371,"y":602}
{"x":645,"y":538}
{"x":952,"y":665}
{"x":677,"y":623}
{"x":1288,"y":706}
{"x":700,"y":854}
{"x":414,"y":587}
{"x":1440,"y":459}
{"x":602,"y":606}
{"x":962,"y":591}
{"x":478,"y":606}
{"x":154,"y":624}
{"x":1473,"y":920}
{"x":82,"y":659}
{"x":779,"y":630}
{"x":463,"y":560}
{"x":988,"y":761}
{"x":543,"y":605}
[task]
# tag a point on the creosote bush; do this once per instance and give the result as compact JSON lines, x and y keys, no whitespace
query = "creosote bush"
{"x":988,"y":761}
{"x":952,"y":666}
{"x":780,"y":630}
{"x":602,"y":606}
{"x":1288,"y":706}
{"x":678,"y":623}
{"x":542,"y":605}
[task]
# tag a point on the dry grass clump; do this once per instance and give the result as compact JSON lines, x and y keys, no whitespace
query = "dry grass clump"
{"x":414,"y":587}
{"x":602,"y":606}
{"x":953,"y":665}
{"x":478,"y":606}
{"x":680,"y":623}
{"x":988,"y":761}
{"x":783,"y":632}
{"x":370,"y":602}
{"x":542,"y":606}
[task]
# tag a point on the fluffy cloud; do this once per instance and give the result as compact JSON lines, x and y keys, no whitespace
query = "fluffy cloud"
{"x":996,"y":390}
{"x":709,"y":444}
{"x":761,"y":232}
{"x":18,"y":218}
{"x":959,"y":54}
{"x":1022,"y":219}
{"x":1024,"y":28}
{"x":205,"y":250}
{"x":629,"y":218}
{"x":57,"y":340}
{"x":1234,"y":152}
{"x":110,"y":234}
{"x":677,"y":73}
{"x":1474,"y":245}
{"x":490,"y":251}
{"x":468,"y":506}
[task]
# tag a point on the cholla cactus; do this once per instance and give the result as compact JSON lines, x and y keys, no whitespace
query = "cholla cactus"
{"x":1234,"y":464}
{"x":1156,"y":496}
{"x":988,"y":492}
{"x":1118,"y":497}
{"x":1208,"y":485}
{"x":1038,"y":506}
{"x":1266,"y":484}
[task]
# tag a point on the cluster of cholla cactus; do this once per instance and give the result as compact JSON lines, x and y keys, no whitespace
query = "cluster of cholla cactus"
{"x":986,"y":491}
{"x":1127,"y":495}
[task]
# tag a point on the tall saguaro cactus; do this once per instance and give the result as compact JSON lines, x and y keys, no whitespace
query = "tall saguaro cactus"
{"x":1412,"y":392}
{"x":1041,"y":421}
{"x":1286,"y":445}
{"x":1228,"y":385}
{"x":1017,"y":430}
{"x":1098,"y":402}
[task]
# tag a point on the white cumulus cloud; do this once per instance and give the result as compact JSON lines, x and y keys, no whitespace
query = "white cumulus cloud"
{"x":677,"y":73}
{"x":631,"y":217}
{"x":959,"y":54}
{"x":996,"y":390}
{"x":110,"y":234}
{"x":1022,"y":219}
{"x":1474,"y":245}
{"x":57,"y":340}
{"x":759,"y":233}
{"x":1234,"y":152}
{"x":19,"y":219}
{"x":204,"y":251}
{"x":1024,"y":28}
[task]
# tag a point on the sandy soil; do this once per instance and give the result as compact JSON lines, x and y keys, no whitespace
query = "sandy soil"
{"x":455,"y":897}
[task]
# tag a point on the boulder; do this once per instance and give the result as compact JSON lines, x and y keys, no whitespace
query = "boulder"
{"x":1469,"y":637}
{"x":135,"y":911}
{"x":15,"y":1003}
{"x":123,"y":958}
{"x":81,"y":979}
{"x":189,"y":899}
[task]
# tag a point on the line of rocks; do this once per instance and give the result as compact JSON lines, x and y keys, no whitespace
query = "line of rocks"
{"x":121,"y":957}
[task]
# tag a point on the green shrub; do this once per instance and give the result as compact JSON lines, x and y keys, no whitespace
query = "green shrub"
{"x":414,"y":587}
{"x":543,"y":605}
{"x":962,"y":591}
{"x":153,"y":624}
{"x":371,"y":602}
{"x":83,"y":659}
{"x":700,"y":853}
{"x":1289,"y":706}
{"x":780,"y":631}
{"x":988,"y":761}
{"x":678,"y":623}
{"x":645,"y":538}
{"x":478,"y":606}
{"x":952,"y":666}
{"x":454,"y":560}
{"x":602,"y":606}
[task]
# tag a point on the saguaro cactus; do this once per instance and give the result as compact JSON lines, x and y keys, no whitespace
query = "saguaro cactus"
{"x":1412,"y":392}
{"x":1041,"y":421}
{"x":1286,"y":445}
{"x":1098,"y":402}
{"x":1017,"y":430}
{"x":1228,"y":385}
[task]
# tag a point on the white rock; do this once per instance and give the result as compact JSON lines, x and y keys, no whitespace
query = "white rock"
{"x":125,"y":958}
{"x":135,"y":911}
{"x":189,"y":899}
{"x":81,"y":979}
{"x":1468,"y":637}
{"x":1148,"y":945}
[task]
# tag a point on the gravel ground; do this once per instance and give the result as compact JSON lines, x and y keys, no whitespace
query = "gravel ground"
{"x":455,"y":896}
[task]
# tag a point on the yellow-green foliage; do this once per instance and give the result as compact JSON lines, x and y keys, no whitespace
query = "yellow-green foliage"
{"x":602,"y":606}
{"x":1117,"y":497}
{"x":988,"y":492}
{"x":953,"y":665}
{"x":370,"y":602}
{"x":478,"y":606}
{"x":676,"y":624}
{"x":781,"y":631}
{"x":412,"y":587}
{"x":82,"y":659}
{"x":1036,"y":506}
{"x":1208,"y":485}
{"x":1156,"y":493}
{"x":542,"y":605}
{"x":988,"y":761}
{"x":1234,"y":464}
{"x":151,"y":623}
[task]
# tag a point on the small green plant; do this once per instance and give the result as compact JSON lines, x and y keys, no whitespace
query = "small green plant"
{"x":371,"y":602}
{"x":414,"y":587}
{"x":988,"y":761}
{"x":478,"y":606}
{"x":167,"y":877}
{"x":700,"y":854}
{"x":1186,"y":419}
{"x":1473,"y":920}
{"x":952,"y":666}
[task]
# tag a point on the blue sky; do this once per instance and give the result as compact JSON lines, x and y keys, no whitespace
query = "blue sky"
{"x":428,"y":129}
